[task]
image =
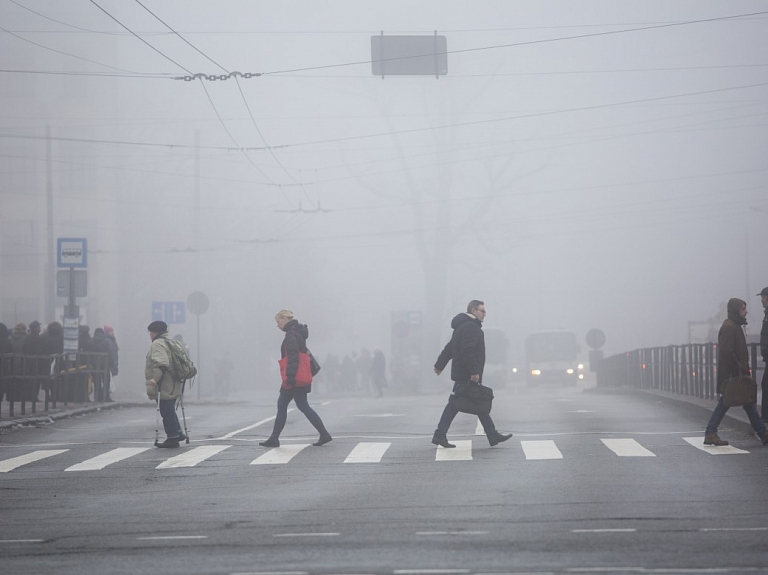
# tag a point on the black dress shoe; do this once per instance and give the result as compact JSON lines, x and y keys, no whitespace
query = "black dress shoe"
{"x":271,"y":442}
{"x":442,"y":441}
{"x":499,"y":438}
{"x":169,"y":443}
{"x":181,"y":437}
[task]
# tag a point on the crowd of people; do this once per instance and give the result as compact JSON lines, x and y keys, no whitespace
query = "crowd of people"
{"x":362,"y":372}
{"x":31,"y":358}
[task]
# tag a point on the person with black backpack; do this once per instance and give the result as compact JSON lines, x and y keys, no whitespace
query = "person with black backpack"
{"x":163,"y":385}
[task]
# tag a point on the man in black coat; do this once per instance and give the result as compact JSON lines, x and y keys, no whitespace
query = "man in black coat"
{"x":764,"y":351}
{"x":732,"y":361}
{"x":467,"y":351}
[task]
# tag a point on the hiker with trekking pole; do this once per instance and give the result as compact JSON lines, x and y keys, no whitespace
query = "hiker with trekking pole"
{"x":167,"y":369}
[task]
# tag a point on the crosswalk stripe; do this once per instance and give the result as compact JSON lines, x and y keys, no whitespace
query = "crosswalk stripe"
{"x":698,"y":443}
{"x":462,"y":451}
{"x":10,"y":464}
{"x":101,"y":461}
{"x":545,"y":449}
{"x":627,"y":448}
{"x":279,"y":455}
{"x":367,"y":453}
{"x":193,"y":456}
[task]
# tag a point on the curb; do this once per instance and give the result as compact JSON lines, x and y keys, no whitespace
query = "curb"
{"x":56,"y":416}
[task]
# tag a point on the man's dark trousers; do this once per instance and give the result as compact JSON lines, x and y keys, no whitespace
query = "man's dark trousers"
{"x":450,"y":412}
{"x":764,"y":387}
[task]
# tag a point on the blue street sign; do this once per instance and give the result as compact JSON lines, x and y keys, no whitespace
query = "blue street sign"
{"x":169,"y":311}
{"x":72,"y":252}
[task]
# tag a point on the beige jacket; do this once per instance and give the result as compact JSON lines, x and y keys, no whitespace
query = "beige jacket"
{"x":158,"y":368}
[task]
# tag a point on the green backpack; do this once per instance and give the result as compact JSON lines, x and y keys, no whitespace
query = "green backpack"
{"x":181,"y":366}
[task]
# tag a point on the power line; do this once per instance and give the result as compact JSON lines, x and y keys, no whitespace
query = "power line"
{"x":64,"y":53}
{"x":140,"y":38}
{"x":181,"y":37}
{"x":395,"y":132}
{"x":59,"y":21}
{"x":159,"y":76}
{"x":214,"y":77}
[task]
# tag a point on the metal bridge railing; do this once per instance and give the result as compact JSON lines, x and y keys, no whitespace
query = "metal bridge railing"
{"x":689,"y":369}
{"x":70,"y":377}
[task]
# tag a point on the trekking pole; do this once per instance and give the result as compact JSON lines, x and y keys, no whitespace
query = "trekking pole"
{"x":157,"y":421}
{"x":183,"y":415}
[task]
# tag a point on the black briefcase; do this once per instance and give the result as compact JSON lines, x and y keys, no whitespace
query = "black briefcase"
{"x":473,"y":398}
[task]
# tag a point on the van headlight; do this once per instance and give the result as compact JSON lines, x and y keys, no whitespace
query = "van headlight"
{"x":535,"y":372}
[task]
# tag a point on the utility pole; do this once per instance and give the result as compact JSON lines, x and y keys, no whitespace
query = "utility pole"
{"x":196,"y":245}
{"x":50,"y":302}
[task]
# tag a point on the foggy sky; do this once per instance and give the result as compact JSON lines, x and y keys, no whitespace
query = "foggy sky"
{"x":597,"y":164}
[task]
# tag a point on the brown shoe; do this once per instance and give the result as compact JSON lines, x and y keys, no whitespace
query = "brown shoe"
{"x":713,"y":439}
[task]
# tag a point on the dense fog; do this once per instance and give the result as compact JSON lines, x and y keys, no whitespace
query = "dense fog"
{"x":584,"y":165}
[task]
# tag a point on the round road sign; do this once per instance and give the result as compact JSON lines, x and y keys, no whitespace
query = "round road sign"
{"x":197,"y":303}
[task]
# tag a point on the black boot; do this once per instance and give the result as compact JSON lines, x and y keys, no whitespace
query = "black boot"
{"x":271,"y":442}
{"x":441,"y":440}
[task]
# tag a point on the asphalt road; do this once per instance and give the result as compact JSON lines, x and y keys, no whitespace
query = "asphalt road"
{"x":590,"y":483}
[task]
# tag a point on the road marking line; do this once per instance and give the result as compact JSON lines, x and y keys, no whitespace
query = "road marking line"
{"x":735,"y":529}
{"x":462,"y":451}
{"x":479,"y":428}
{"x":543,"y":449}
{"x":698,"y":443}
{"x":428,"y":571}
{"x":258,"y":423}
{"x":451,"y":533}
{"x":603,"y":530}
{"x":279,"y":455}
{"x":22,"y":540}
{"x":10,"y":464}
{"x":192,"y":457}
{"x":101,"y":461}
{"x":271,"y":573}
{"x":166,"y":537}
{"x":306,"y":534}
{"x":367,"y":453}
{"x":627,"y":448}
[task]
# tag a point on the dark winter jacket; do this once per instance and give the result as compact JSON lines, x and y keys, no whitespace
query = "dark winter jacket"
{"x":764,"y":337}
{"x":295,"y":341}
{"x":466,"y":349}
{"x":113,"y":354}
{"x":98,"y":344}
{"x":732,"y":352}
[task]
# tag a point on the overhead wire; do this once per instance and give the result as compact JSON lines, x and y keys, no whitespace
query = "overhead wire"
{"x":64,"y":53}
{"x":242,"y":95}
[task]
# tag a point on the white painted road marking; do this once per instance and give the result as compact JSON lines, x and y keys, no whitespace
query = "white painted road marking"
{"x":279,"y":455}
{"x":306,"y":534}
{"x":166,"y":537}
{"x":603,"y":530}
{"x":10,"y":464}
{"x":192,"y":457}
{"x":101,"y":461}
{"x":367,"y":453}
{"x":544,"y":449}
{"x":627,"y":448}
{"x":21,"y":540}
{"x":257,"y":424}
{"x":698,"y":443}
{"x":462,"y":451}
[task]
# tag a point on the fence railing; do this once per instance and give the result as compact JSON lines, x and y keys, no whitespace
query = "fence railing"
{"x":682,"y":369}
{"x":65,"y":378}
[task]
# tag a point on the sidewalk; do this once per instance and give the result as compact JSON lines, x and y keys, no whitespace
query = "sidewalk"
{"x":44,"y":417}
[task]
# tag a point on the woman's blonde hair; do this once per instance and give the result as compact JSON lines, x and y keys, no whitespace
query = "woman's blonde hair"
{"x":285,"y":314}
